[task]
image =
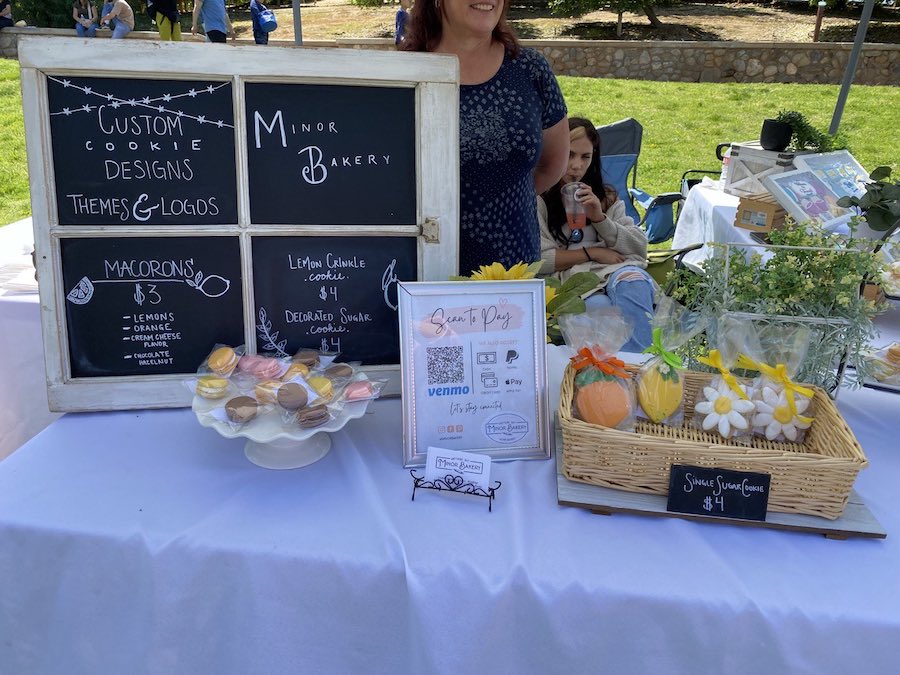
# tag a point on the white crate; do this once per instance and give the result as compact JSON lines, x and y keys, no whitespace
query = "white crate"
{"x":749,"y":164}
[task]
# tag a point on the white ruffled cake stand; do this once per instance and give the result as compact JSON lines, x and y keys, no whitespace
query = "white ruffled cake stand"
{"x":273,"y":445}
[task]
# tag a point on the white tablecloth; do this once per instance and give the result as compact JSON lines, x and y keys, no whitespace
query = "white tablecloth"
{"x":23,"y":390}
{"x":140,"y":542}
{"x":708,"y":216}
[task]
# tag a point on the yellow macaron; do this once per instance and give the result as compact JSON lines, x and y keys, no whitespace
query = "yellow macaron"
{"x":293,"y":370}
{"x":212,"y":387}
{"x":322,"y":385}
{"x":222,"y":361}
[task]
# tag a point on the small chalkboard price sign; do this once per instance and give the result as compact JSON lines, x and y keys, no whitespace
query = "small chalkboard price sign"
{"x":184,"y":197}
{"x":720,"y":493}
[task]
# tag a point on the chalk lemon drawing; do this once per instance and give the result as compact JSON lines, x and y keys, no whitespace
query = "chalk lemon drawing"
{"x":82,"y":293}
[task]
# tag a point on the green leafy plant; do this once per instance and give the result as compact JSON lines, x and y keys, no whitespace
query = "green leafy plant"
{"x":807,"y":273}
{"x":805,"y":136}
{"x":881,"y":202}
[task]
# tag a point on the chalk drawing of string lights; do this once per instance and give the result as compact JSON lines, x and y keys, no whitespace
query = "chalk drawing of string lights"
{"x":155,"y":104}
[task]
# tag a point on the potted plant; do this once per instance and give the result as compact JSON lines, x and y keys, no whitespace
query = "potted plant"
{"x":808,"y":276}
{"x":805,"y":136}
{"x":880,"y":204}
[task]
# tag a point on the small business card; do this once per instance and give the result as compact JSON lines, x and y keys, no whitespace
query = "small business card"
{"x":460,"y":467}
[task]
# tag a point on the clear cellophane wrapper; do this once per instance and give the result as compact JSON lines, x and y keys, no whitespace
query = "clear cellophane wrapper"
{"x":604,"y":391}
{"x":659,"y":383}
{"x":725,"y":407}
{"x":777,"y":351}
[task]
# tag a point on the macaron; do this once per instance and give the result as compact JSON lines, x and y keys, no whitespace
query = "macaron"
{"x":241,"y":409}
{"x":294,"y":370}
{"x":313,"y":416}
{"x":308,"y":357}
{"x":210,"y":386}
{"x":893,"y":353}
{"x":292,"y":396}
{"x":339,"y":370}
{"x":267,"y":390}
{"x":262,"y":367}
{"x":322,"y":385}
{"x":222,"y":361}
{"x":359,"y":390}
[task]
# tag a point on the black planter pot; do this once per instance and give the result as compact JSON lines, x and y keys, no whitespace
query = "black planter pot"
{"x":775,"y":135}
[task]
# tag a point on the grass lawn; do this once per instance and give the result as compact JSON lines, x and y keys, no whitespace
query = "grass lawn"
{"x":683,"y":123}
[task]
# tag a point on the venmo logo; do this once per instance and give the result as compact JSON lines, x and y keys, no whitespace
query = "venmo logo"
{"x":448,"y":391}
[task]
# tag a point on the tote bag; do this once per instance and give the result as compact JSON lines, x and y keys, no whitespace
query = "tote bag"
{"x":267,"y":20}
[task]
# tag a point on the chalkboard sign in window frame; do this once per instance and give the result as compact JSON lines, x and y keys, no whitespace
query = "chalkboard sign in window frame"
{"x":434,"y":78}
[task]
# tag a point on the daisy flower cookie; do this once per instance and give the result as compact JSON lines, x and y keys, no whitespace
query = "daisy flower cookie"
{"x":723,"y":409}
{"x":774,"y":417}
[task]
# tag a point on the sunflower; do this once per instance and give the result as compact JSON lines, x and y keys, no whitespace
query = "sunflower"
{"x":497,"y":272}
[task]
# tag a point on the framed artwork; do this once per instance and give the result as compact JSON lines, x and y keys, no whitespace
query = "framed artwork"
{"x":807,"y":198}
{"x":473,"y":368}
{"x":839,"y":170}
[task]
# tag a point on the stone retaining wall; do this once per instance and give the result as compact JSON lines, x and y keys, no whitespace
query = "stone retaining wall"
{"x":819,"y":63}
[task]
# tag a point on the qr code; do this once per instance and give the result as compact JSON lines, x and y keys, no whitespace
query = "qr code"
{"x":445,"y":364}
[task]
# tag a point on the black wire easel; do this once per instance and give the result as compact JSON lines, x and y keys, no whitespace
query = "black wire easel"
{"x":453,"y":483}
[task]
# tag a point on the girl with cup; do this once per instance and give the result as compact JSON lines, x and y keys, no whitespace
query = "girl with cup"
{"x":592,"y":233}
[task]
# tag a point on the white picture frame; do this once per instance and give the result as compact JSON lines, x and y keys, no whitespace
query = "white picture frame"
{"x":433,"y":78}
{"x":473,"y":368}
{"x":806,"y":198}
{"x":839,"y":170}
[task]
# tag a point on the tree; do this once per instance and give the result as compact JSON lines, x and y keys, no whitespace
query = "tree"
{"x":579,"y":7}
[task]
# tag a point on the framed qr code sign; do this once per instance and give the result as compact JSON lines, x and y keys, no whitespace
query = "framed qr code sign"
{"x":473,"y":368}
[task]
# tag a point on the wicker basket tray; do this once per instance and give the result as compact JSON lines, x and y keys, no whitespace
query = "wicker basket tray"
{"x":814,"y":477}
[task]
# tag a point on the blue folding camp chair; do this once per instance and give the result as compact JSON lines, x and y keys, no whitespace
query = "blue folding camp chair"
{"x":620,"y":146}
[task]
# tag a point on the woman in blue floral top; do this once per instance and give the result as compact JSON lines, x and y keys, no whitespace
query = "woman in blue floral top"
{"x":513,"y":134}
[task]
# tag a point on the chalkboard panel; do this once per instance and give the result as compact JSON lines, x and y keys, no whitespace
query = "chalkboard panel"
{"x":331,"y":155}
{"x":333,"y":293}
{"x":142,"y":151}
{"x":149,"y":306}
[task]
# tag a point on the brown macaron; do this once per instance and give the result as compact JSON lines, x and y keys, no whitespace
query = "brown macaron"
{"x":313,"y":416}
{"x":308,"y":357}
{"x":241,"y":409}
{"x":292,"y":396}
{"x":339,"y":370}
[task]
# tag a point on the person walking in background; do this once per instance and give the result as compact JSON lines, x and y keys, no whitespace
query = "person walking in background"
{"x":168,"y":20}
{"x":214,"y":18}
{"x":120,"y":18}
{"x":260,"y":36}
{"x":6,"y":20}
{"x":400,"y":21}
{"x":85,"y":21}
{"x":513,"y":135}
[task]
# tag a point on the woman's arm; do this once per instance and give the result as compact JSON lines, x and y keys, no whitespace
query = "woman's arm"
{"x":75,"y":14}
{"x":551,"y":165}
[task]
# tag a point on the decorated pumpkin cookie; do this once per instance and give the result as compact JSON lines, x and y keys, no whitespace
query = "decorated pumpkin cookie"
{"x":602,"y":399}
